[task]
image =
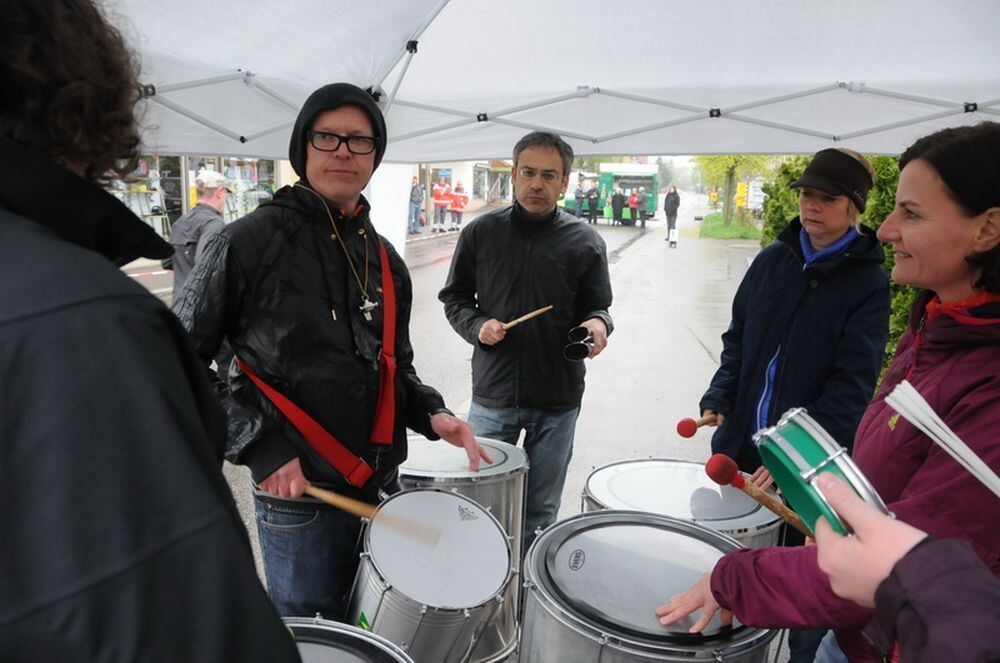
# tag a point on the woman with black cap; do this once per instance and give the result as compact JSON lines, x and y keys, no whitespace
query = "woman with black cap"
{"x":809,"y":325}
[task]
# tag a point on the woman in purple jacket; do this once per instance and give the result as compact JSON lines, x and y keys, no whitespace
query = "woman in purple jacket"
{"x":945,"y":234}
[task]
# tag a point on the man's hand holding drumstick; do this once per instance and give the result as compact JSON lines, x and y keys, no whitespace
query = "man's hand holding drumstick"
{"x":493,"y":331}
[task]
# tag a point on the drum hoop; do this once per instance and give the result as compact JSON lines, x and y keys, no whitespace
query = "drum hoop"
{"x":338,"y":627}
{"x":391,"y":589}
{"x":550,"y":597}
{"x":486,"y":472}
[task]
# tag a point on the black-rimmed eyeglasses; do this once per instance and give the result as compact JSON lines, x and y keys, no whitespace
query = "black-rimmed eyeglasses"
{"x":327,"y":142}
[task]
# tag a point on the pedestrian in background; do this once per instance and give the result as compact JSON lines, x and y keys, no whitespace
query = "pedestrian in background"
{"x":593,"y":203}
{"x":671,"y":203}
{"x":120,"y":538}
{"x":416,"y":206}
{"x":459,"y":199}
{"x":641,"y":206}
{"x":442,"y":199}
{"x":190,"y":233}
{"x":578,"y":197}
{"x":633,"y":204}
{"x":617,"y":205}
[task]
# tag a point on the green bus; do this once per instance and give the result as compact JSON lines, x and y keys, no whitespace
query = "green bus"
{"x":625,"y":176}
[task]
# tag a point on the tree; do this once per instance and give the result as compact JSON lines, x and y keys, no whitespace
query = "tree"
{"x":593,"y":164}
{"x":723,"y":169}
{"x":665,"y":172}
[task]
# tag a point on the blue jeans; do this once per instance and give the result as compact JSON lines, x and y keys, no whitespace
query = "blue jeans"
{"x":311,"y":554}
{"x":829,"y":650}
{"x":548,"y":441}
{"x":415,"y":217}
{"x":439,"y":213}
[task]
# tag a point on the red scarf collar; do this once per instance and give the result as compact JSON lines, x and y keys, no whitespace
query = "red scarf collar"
{"x":959,"y":310}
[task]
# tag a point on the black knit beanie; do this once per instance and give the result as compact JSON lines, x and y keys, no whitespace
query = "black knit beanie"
{"x":325,"y":99}
{"x":838,"y":174}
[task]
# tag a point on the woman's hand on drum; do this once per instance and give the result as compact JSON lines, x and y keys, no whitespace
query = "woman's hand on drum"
{"x":286,"y":481}
{"x":857,"y":564}
{"x":762,"y":478}
{"x":719,"y":417}
{"x":698,"y":597}
{"x":457,"y":432}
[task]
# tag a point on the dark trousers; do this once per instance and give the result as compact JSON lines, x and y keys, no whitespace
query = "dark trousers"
{"x":310,"y":553}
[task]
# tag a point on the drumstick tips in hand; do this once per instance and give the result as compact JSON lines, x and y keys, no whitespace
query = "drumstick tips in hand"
{"x":723,"y":470}
{"x":688,"y":427}
{"x":527,"y":316}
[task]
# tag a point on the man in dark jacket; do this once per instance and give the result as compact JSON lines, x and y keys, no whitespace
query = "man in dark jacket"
{"x":120,"y":540}
{"x":593,"y":203}
{"x":190,"y":233}
{"x":316,"y":306}
{"x":516,"y":260}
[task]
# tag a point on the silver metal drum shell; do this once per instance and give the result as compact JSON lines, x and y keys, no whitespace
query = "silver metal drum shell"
{"x":503,"y":495}
{"x":425,"y":633}
{"x":550,"y":631}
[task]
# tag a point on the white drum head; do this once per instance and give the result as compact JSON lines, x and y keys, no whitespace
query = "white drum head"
{"x":436,"y":459}
{"x":675,"y":488}
{"x":464,"y":566}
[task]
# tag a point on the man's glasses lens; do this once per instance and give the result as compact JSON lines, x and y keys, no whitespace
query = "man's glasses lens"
{"x":331,"y":142}
{"x":530,"y":173}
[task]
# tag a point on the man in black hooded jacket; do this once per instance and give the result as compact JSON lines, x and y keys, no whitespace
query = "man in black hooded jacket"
{"x":305,"y":291}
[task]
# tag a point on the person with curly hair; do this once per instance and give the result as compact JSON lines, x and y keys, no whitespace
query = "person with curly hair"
{"x":120,"y":538}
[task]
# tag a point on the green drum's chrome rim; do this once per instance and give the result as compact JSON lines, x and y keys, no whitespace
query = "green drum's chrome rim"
{"x":796,"y":451}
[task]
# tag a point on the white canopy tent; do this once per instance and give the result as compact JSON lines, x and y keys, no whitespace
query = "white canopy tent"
{"x":635,"y":77}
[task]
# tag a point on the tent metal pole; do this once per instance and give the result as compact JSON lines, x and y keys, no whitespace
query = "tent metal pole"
{"x":382,"y":75}
{"x":908,"y":97}
{"x":270,"y":130}
{"x":187,"y":85}
{"x":653,"y":127}
{"x":433,"y":130}
{"x":180,"y":110}
{"x":535,"y":127}
{"x":534,"y":105}
{"x":274,"y":95}
{"x":779,"y":99}
{"x":436,"y":109}
{"x":904,"y":123}
{"x":779,"y":126}
{"x":651,"y":100}
{"x":399,"y":81}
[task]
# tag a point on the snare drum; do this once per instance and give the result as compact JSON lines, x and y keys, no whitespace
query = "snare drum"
{"x":322,"y":641}
{"x":432,"y":596}
{"x":796,"y":451}
{"x":681,"y":489}
{"x":594,"y":581}
{"x":499,"y":487}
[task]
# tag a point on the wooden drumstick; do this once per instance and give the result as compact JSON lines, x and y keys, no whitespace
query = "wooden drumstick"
{"x":688,"y":427}
{"x":527,"y":316}
{"x":417,"y":531}
{"x":723,"y":470}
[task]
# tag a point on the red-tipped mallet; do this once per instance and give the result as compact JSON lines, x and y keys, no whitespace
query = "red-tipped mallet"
{"x":688,"y":427}
{"x":723,"y":470}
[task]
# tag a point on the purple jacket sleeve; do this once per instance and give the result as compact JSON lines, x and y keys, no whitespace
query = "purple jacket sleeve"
{"x":942,"y":604}
{"x":782,"y":588}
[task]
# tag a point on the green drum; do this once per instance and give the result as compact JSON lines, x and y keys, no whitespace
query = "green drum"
{"x":796,"y":451}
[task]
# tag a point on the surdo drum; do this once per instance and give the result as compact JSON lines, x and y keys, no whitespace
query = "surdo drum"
{"x":681,"y":489}
{"x":431,"y":595}
{"x":321,"y":641}
{"x":594,"y":581}
{"x":499,"y":487}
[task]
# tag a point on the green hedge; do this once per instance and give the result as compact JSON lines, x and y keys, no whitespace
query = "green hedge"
{"x":781,"y":206}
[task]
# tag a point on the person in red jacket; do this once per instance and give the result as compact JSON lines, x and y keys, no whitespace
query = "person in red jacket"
{"x":945,"y":235}
{"x":633,"y":205}
{"x":442,"y":198}
{"x":459,"y":199}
